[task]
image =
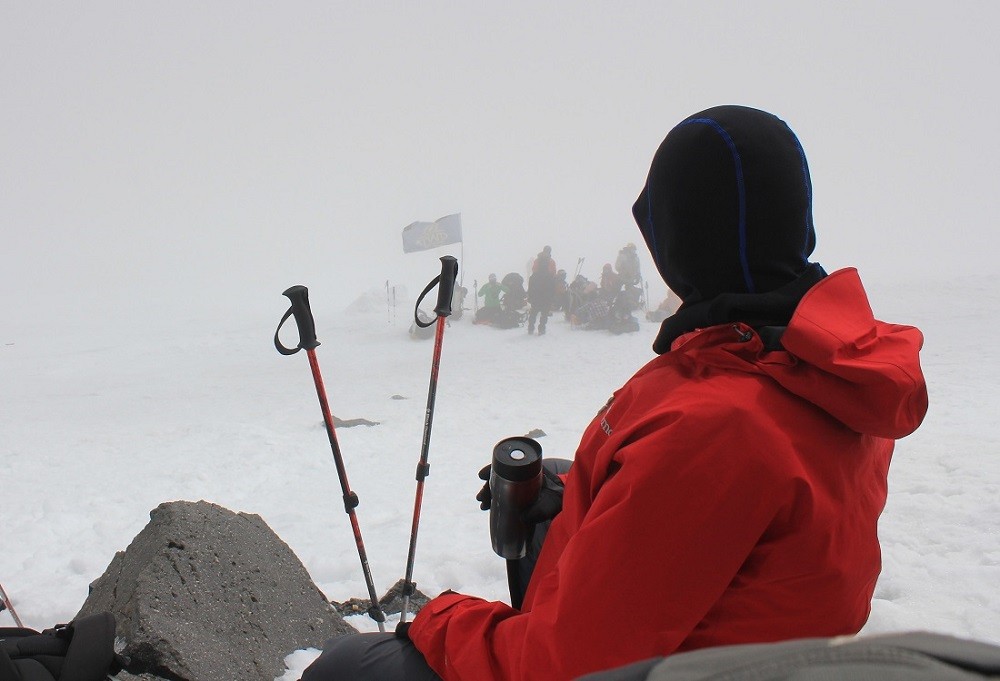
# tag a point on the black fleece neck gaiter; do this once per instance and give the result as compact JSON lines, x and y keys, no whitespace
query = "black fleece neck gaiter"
{"x":774,"y":308}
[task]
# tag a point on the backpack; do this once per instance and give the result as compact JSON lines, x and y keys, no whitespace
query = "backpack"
{"x":911,"y":656}
{"x":83,"y":650}
{"x":516,"y":297}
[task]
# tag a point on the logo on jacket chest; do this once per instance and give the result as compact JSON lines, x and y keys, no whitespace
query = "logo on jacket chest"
{"x":605,"y":426}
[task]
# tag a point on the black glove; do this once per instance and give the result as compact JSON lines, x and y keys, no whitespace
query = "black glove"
{"x":546,"y":506}
{"x":403,"y":630}
{"x":485,"y":496}
{"x":549,"y":501}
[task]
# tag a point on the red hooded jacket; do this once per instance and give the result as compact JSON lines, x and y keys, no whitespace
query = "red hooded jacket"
{"x":726,"y":494}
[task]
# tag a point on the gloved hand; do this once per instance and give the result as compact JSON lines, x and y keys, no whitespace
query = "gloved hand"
{"x":485,"y":496}
{"x":547,"y":505}
{"x":549,"y":502}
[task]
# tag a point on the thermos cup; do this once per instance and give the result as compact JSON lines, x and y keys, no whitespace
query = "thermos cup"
{"x":515,"y":481}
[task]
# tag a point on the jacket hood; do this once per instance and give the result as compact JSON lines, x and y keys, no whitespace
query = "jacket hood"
{"x":863,"y":372}
{"x":727,"y":205}
{"x":867,"y":373}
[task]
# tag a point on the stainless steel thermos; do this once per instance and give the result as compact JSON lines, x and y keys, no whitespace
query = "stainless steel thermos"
{"x":515,"y":481}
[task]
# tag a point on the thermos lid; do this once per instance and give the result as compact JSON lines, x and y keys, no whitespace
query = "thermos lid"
{"x":517,"y":459}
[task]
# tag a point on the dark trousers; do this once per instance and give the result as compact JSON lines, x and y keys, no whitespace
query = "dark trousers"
{"x":369,"y":657}
{"x":534,"y":314}
{"x":383,"y":657}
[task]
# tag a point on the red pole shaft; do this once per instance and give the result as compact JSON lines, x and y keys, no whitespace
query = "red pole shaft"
{"x":10,"y":606}
{"x":350,"y":498}
{"x":423,"y":468}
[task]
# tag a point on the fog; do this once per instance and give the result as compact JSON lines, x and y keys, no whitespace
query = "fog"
{"x":198,"y":158}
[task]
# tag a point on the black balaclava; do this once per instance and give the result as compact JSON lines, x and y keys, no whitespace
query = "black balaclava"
{"x":727,"y":215}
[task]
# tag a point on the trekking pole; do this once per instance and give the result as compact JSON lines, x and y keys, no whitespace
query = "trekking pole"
{"x":5,"y":604}
{"x":299,"y":297}
{"x":446,"y":288}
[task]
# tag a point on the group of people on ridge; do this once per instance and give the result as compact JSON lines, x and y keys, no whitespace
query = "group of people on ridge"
{"x":608,"y":304}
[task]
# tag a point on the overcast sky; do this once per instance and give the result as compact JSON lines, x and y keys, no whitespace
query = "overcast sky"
{"x":178,"y":155}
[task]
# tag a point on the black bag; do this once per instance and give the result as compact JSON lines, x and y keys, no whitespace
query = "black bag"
{"x":83,"y":650}
{"x":913,"y":656}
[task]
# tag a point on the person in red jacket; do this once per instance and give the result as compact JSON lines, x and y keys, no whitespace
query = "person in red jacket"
{"x":730,"y":491}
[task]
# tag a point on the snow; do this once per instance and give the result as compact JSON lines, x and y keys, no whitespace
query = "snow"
{"x":103,"y":420}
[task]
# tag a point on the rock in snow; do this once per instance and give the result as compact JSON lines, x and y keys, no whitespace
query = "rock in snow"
{"x":206,"y":594}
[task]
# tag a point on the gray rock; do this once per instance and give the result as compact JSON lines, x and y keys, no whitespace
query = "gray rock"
{"x":206,"y":594}
{"x":350,"y":423}
{"x":391,"y":603}
{"x":125,"y":676}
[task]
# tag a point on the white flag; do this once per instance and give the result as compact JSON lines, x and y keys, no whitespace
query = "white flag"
{"x":420,"y":236}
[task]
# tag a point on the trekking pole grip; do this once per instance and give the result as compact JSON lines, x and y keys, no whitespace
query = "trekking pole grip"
{"x":446,"y":285}
{"x":299,"y":297}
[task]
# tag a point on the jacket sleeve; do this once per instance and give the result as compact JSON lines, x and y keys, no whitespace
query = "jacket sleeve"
{"x":657,"y":544}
